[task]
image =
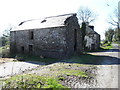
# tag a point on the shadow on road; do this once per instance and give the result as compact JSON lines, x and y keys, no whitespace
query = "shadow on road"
{"x":80,"y":59}
{"x":93,"y":60}
{"x":106,"y":50}
{"x":113,"y":50}
{"x":85,"y":59}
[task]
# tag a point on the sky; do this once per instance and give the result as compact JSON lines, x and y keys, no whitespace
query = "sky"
{"x":12,"y":12}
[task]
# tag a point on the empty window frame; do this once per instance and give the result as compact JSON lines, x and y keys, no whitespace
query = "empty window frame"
{"x":75,"y":39}
{"x":30,"y":48}
{"x":31,"y":35}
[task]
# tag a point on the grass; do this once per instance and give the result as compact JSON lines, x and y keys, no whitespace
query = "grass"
{"x":74,"y":72}
{"x":50,"y":79}
{"x":65,"y":69}
{"x":31,"y":58}
{"x":32,"y":81}
{"x":80,"y":59}
{"x":117,"y":42}
{"x":85,"y":59}
{"x":107,"y":46}
{"x":5,"y":51}
{"x":42,"y":81}
{"x":102,"y":48}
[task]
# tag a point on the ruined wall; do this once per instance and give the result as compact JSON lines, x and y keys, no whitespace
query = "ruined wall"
{"x":92,"y":39}
{"x":74,"y":39}
{"x":49,"y":42}
{"x":56,"y":42}
{"x":19,"y":39}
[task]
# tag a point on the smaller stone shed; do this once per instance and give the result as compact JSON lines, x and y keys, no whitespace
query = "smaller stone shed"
{"x":55,"y":36}
{"x":92,"y":38}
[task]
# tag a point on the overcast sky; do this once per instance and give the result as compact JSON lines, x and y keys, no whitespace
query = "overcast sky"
{"x":13,"y":12}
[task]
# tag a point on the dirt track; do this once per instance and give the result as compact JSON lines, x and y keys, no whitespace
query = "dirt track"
{"x":107,"y":73}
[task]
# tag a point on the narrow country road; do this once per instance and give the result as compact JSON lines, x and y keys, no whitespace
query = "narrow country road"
{"x":107,"y":72}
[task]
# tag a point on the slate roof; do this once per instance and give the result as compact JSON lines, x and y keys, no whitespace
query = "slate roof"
{"x":90,"y":30}
{"x":47,"y":22}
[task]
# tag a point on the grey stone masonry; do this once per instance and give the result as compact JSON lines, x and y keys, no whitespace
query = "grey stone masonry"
{"x":56,"y":37}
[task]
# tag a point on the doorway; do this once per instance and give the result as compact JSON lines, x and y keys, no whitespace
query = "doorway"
{"x":22,"y":49}
{"x":30,"y":49}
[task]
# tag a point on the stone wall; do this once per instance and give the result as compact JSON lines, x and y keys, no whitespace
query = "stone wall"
{"x":92,"y":39}
{"x":56,"y":42}
{"x":51,"y":42}
{"x":48,"y":41}
{"x":74,"y":38}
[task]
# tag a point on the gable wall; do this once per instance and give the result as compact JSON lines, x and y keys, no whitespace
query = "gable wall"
{"x":74,"y":38}
{"x":92,"y":39}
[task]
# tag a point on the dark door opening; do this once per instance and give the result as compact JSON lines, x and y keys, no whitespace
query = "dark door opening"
{"x":75,"y":40}
{"x":30,"y":48}
{"x":22,"y":49}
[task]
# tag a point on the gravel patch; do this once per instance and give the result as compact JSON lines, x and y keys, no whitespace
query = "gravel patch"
{"x":14,"y":68}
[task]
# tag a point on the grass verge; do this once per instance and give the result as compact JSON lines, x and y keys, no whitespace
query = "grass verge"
{"x":32,"y":81}
{"x":49,"y":78}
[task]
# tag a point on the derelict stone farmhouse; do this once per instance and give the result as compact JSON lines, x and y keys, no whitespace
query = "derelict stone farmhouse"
{"x":56,"y":37}
{"x":92,"y":38}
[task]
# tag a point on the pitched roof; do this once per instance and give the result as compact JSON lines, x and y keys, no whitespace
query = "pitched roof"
{"x":53,"y":21}
{"x":90,"y":30}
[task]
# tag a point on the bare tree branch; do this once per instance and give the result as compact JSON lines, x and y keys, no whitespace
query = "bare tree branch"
{"x":114,"y":18}
{"x":86,"y":15}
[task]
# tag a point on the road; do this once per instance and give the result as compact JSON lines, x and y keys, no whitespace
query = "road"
{"x":107,"y":72}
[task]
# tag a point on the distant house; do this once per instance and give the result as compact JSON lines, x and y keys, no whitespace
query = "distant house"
{"x":92,"y":38}
{"x":56,"y":37}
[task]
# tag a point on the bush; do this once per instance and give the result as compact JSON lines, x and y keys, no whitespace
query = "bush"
{"x":5,"y":51}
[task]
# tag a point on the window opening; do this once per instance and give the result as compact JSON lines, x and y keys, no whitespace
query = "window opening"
{"x":31,"y":35}
{"x":75,"y":40}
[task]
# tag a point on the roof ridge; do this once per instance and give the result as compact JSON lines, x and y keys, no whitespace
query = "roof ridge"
{"x":73,"y":14}
{"x":62,"y":15}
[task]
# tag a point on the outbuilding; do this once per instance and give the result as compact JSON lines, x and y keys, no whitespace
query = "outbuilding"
{"x":55,"y":36}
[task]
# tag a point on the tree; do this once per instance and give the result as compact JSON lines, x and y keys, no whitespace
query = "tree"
{"x":114,"y":20}
{"x":115,"y":38}
{"x":86,"y":15}
{"x":6,"y":32}
{"x":5,"y":39}
{"x":109,"y":34}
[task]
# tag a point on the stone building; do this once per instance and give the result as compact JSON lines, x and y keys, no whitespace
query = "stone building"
{"x":55,"y":36}
{"x":92,"y":38}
